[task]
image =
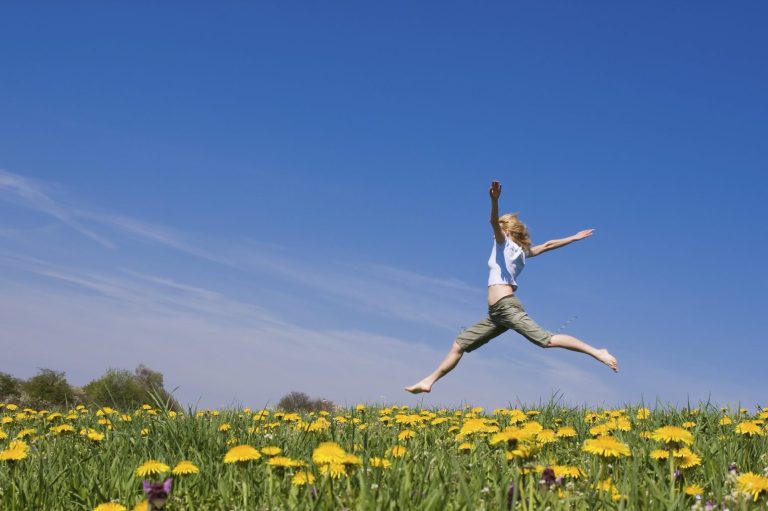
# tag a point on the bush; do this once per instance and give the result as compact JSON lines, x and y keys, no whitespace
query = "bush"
{"x":47,"y":388}
{"x":122,"y":389}
{"x":300,"y":402}
{"x":10,"y":388}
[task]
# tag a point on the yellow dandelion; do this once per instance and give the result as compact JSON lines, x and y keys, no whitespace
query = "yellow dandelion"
{"x":328,"y":452}
{"x":283,"y":462}
{"x":753,"y":484}
{"x":64,"y":428}
{"x":686,"y":458}
{"x":645,"y":434}
{"x":673,"y":434}
{"x":379,"y":462}
{"x":302,"y":478}
{"x":335,"y":470}
{"x":16,"y":451}
{"x":406,"y":433}
{"x":659,"y":454}
{"x":568,"y":471}
{"x":725,"y":421}
{"x":225,"y":427}
{"x":241,"y":454}
{"x":351,"y":459}
{"x":749,"y":428}
{"x":152,"y":467}
{"x":141,"y":506}
{"x":606,"y":446}
{"x":26,"y":432}
{"x":398,"y":451}
{"x":271,"y":450}
{"x":566,"y":432}
{"x":3,"y":435}
{"x":688,"y":424}
{"x":110,"y":506}
{"x":185,"y":467}
{"x":694,"y":489}
{"x":546,"y":436}
{"x":642,"y":414}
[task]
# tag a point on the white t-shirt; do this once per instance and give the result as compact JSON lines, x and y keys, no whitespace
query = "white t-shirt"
{"x":506,"y":262}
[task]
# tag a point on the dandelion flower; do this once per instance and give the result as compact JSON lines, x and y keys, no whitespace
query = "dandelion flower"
{"x":16,"y":451}
{"x":110,"y":506}
{"x":406,"y":433}
{"x":749,"y":428}
{"x":185,"y":467}
{"x":659,"y":454}
{"x":606,"y":446}
{"x":566,"y":432}
{"x":642,"y":414}
{"x":328,"y":452}
{"x":466,"y":446}
{"x":379,"y":462}
{"x":725,"y":421}
{"x":64,"y":428}
{"x":26,"y":432}
{"x":686,"y":458}
{"x":241,"y":453}
{"x":335,"y":470}
{"x":694,"y":489}
{"x":302,"y":478}
{"x":753,"y":484}
{"x":567,"y":471}
{"x":152,"y":467}
{"x":271,"y":450}
{"x":398,"y":451}
{"x":142,"y":506}
{"x":673,"y":434}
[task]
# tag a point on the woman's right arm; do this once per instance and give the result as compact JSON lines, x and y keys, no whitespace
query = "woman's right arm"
{"x":495,"y":192}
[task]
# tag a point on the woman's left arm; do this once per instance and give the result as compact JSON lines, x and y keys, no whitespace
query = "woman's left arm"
{"x":553,"y":244}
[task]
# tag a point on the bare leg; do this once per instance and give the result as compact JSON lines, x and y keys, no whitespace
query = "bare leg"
{"x":574,"y":344}
{"x":448,"y":363}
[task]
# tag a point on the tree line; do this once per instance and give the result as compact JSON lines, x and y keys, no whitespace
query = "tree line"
{"x":117,"y":388}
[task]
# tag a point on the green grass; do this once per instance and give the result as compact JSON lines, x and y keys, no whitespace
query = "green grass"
{"x":70,"y":472}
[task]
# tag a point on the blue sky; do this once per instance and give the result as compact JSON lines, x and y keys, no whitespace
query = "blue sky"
{"x":255,"y":198}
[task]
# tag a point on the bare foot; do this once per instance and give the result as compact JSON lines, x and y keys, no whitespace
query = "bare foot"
{"x":607,"y":359}
{"x":419,"y":388}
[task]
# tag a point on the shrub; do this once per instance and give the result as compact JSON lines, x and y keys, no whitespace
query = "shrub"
{"x":300,"y":402}
{"x":10,"y":388}
{"x":47,"y":388}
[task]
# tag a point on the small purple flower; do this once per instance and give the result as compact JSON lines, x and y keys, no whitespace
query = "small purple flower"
{"x":158,"y":493}
{"x":548,"y":476}
{"x":678,"y":474}
{"x":709,"y":506}
{"x":733,"y":468}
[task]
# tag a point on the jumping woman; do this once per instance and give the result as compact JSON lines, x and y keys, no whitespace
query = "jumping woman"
{"x":512,"y":246}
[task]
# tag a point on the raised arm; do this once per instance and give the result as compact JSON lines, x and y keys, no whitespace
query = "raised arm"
{"x":553,"y":244}
{"x":495,"y":192}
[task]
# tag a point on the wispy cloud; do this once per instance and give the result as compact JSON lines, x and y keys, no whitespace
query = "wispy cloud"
{"x":32,"y":194}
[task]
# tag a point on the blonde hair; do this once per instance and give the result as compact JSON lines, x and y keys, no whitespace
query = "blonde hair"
{"x":516,"y":230}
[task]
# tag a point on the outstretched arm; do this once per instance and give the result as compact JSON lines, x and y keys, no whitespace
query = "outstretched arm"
{"x":495,"y":192}
{"x":553,"y":244}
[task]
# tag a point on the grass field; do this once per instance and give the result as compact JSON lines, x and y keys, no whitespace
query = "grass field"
{"x":394,"y":458}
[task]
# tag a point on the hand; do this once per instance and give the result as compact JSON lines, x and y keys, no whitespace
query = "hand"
{"x":583,"y":234}
{"x":495,"y":190}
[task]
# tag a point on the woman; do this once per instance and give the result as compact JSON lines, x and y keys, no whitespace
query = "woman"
{"x":505,"y":312}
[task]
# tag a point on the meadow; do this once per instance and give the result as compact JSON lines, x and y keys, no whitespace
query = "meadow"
{"x":371,"y":457}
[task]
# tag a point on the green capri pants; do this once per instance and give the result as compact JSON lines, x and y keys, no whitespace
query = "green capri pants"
{"x":506,"y":314}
